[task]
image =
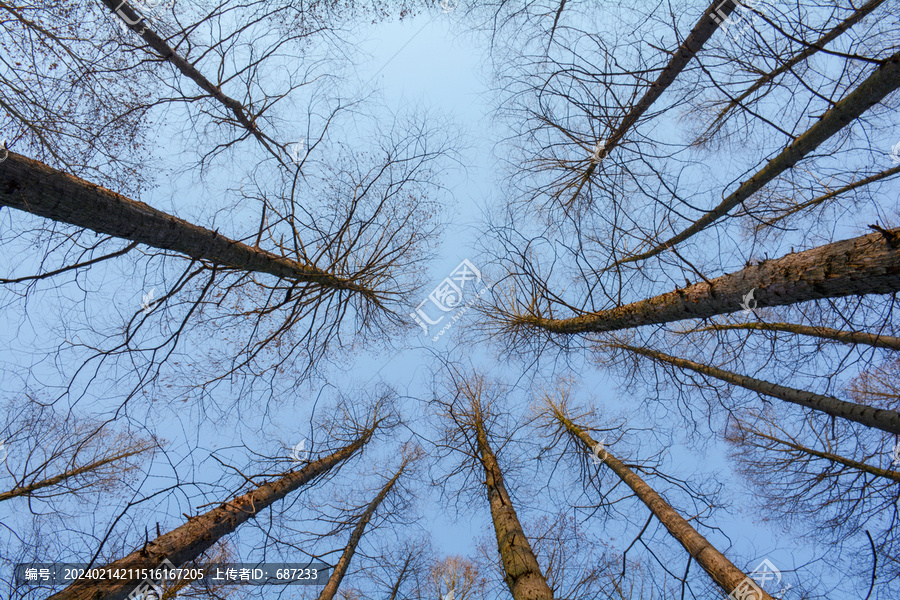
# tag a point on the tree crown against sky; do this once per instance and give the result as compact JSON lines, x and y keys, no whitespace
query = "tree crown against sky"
{"x":665,"y":362}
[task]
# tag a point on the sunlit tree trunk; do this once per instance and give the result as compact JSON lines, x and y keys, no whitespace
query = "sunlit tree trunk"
{"x":523,"y":574}
{"x":34,"y":187}
{"x":187,"y":542}
{"x":879,"y":418}
{"x":340,"y":569}
{"x":870,"y":92}
{"x":868,"y":264}
{"x":722,"y":571}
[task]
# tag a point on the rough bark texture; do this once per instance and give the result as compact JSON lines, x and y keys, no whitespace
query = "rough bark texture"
{"x":870,"y":92}
{"x":188,"y":541}
{"x":836,"y":458}
{"x":702,"y":31}
{"x":34,"y":187}
{"x":846,"y":337}
{"x":523,"y":574}
{"x":27,"y":490}
{"x":868,"y":264}
{"x":879,"y":418}
{"x":340,"y":569}
{"x":722,"y":571}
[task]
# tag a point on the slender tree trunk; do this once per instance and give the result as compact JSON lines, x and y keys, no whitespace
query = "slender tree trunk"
{"x":798,"y":58}
{"x":522,"y":572}
{"x":870,"y":92}
{"x":187,"y":542}
{"x":722,"y":571}
{"x":868,"y":264}
{"x":846,"y":337}
{"x":835,"y":458}
{"x":134,"y":22}
{"x":396,"y":588}
{"x":340,"y":569}
{"x":703,"y":30}
{"x":34,"y":187}
{"x":27,"y":490}
{"x":879,"y":418}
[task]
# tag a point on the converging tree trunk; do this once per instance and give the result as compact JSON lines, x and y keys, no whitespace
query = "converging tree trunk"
{"x":847,"y":337}
{"x":522,"y":572}
{"x":868,"y":264}
{"x":879,"y":418}
{"x":723,"y":572}
{"x":340,"y":569}
{"x":34,"y":187}
{"x":709,"y":22}
{"x":187,"y":542}
{"x":870,"y":92}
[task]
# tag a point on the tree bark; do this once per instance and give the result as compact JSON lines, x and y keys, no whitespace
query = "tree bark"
{"x":340,"y":569}
{"x":868,"y":264}
{"x":187,"y":542}
{"x":34,"y":187}
{"x":702,"y":31}
{"x":846,"y":337}
{"x":870,"y":92}
{"x":722,"y":570}
{"x":879,"y":418}
{"x":522,"y":572}
{"x":27,"y":490}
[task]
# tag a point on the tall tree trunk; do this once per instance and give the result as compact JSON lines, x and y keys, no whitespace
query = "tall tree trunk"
{"x":709,"y":22}
{"x":835,"y":458}
{"x":722,"y":571}
{"x":34,"y":187}
{"x":27,"y":490}
{"x":846,"y":337}
{"x":187,"y":542}
{"x":870,"y":92}
{"x":396,"y":588}
{"x":522,"y":572}
{"x":857,"y":16}
{"x":340,"y":569}
{"x":879,"y":418}
{"x":868,"y":264}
